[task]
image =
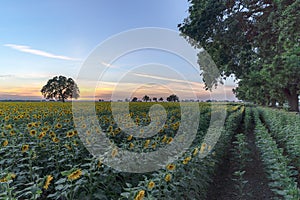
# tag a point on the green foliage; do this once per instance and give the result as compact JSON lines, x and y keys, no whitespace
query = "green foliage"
{"x":285,"y":129}
{"x":280,"y":174}
{"x":257,"y":41}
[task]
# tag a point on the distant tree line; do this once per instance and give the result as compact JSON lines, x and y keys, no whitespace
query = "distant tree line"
{"x":146,"y":98}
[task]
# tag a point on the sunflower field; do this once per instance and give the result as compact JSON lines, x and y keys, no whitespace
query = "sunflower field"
{"x":44,"y":157}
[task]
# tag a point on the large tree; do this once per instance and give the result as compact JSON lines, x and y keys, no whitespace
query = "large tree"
{"x":248,"y":38}
{"x":60,"y":88}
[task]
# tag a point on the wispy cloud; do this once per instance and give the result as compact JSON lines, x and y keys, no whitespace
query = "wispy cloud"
{"x":28,"y":49}
{"x":5,"y":75}
{"x":109,"y":65}
{"x":163,"y":78}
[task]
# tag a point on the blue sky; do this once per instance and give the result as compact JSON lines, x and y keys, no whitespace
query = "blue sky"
{"x":41,"y":39}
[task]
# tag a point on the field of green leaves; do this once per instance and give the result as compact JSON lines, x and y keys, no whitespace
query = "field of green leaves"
{"x":43,"y":157}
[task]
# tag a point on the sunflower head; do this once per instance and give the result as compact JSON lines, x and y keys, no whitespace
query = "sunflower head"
{"x":70,"y":134}
{"x":32,"y":132}
{"x":140,"y":195}
{"x":168,"y":177}
{"x":5,"y":143}
{"x":25,"y":148}
{"x":75,"y":175}
{"x":151,"y":185}
{"x":49,"y":178}
{"x":171,"y":167}
{"x":55,"y":140}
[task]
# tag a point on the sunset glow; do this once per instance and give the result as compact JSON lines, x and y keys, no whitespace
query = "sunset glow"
{"x":51,"y":38}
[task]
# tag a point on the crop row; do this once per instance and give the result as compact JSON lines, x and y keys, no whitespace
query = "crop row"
{"x":285,"y":129}
{"x":279,"y":173}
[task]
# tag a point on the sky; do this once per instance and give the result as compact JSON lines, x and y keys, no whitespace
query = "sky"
{"x":42,"y":39}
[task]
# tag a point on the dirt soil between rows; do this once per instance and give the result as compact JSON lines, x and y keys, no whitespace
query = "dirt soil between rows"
{"x":223,"y":187}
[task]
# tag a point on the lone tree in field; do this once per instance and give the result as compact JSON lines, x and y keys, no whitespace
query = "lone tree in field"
{"x":61,"y":88}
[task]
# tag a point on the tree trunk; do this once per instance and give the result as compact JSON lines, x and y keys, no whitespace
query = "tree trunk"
{"x":273,"y":103}
{"x":293,"y":102}
{"x":292,"y":97}
{"x":62,"y":96}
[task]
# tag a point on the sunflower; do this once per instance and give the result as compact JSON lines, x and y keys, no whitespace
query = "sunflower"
{"x":186,"y":160}
{"x":171,"y":167}
{"x":110,"y":129}
{"x":47,"y":182}
{"x":75,"y":175}
{"x":45,"y":129}
{"x":151,"y":185}
{"x":169,"y":140}
{"x":131,"y":145}
{"x":88,"y":132}
{"x":8,"y":127}
{"x":99,"y":164}
{"x":58,"y":125}
{"x":12,"y":132}
{"x":3,"y":180}
{"x":117,"y":130}
{"x":154,"y":145}
{"x":209,"y":147}
{"x":32,"y":132}
{"x":70,"y":134}
{"x":13,"y":175}
{"x":203,"y":147}
{"x":30,"y":125}
{"x":195,"y":152}
{"x":52,"y":134}
{"x":5,"y":143}
{"x":114,"y":152}
{"x":146,"y":143}
{"x":140,"y":195}
{"x":41,"y":135}
{"x":75,"y":142}
{"x":129,"y":138}
{"x":168,"y":177}
{"x":164,"y":138}
{"x":25,"y":148}
{"x":55,"y":139}
{"x":68,"y":147}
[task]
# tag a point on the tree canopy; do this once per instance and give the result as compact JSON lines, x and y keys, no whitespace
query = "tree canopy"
{"x":60,"y":88}
{"x":257,"y":41}
{"x":173,"y":98}
{"x":146,"y":98}
{"x":134,"y":99}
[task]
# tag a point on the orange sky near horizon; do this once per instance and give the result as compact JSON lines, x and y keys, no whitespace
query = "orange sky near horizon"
{"x":32,"y":91}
